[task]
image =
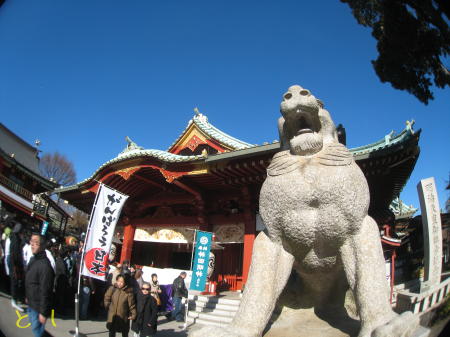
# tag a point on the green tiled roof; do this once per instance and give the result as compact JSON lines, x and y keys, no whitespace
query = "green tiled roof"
{"x":137,"y":153}
{"x":388,"y":141}
{"x":203,"y":124}
{"x":401,"y":210}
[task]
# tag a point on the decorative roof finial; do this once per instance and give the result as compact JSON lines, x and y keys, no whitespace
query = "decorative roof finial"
{"x":197,"y":113}
{"x":409,"y":125}
{"x":388,"y":137}
{"x":131,"y":145}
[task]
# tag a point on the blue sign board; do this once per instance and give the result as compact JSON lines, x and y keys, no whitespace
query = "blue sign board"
{"x":44,"y":228}
{"x":201,"y":258}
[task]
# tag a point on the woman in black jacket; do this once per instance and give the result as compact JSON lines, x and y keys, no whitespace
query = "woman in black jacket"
{"x":146,"y":322}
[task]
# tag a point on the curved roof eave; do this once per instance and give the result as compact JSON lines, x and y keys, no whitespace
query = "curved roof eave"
{"x":163,"y":156}
{"x":388,"y":141}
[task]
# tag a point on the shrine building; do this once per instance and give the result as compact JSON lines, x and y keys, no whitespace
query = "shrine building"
{"x":209,"y":180}
{"x":23,"y":188}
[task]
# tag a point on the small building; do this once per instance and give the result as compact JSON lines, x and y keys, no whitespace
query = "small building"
{"x":209,"y":180}
{"x":22,"y":187}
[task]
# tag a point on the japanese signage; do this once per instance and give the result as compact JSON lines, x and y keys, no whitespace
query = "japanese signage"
{"x":44,"y":227}
{"x":432,"y":231}
{"x":104,"y":216}
{"x":201,"y":260}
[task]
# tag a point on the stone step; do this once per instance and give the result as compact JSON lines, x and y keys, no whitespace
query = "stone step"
{"x":218,"y":312}
{"x":212,"y":310}
{"x":205,"y":322}
{"x":218,"y":306}
{"x":215,"y":299}
{"x":210,"y":317}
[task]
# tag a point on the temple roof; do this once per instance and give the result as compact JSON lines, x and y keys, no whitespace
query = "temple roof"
{"x":373,"y":158}
{"x":210,"y":131}
{"x":163,"y":156}
{"x":23,"y":156}
{"x":390,"y":140}
{"x":401,"y":210}
{"x":132,"y":150}
{"x":19,"y":149}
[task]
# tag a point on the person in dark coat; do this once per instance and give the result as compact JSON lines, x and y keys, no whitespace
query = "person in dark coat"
{"x":16,"y":266}
{"x":121,"y":306}
{"x":61,"y":282}
{"x":39,"y":285}
{"x":178,"y":292}
{"x":147,"y":313}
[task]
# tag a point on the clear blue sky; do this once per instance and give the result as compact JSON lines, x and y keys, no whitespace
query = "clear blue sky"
{"x":82,"y":75}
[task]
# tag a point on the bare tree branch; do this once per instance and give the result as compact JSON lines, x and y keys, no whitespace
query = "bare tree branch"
{"x":58,"y":168}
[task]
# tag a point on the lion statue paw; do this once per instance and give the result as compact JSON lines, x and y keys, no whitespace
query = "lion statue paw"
{"x":400,"y":326}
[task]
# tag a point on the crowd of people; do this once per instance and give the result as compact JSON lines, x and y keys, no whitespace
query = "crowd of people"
{"x":34,"y":269}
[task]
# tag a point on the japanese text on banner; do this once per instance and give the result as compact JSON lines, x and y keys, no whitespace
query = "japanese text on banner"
{"x":106,"y":212}
{"x":201,"y":259}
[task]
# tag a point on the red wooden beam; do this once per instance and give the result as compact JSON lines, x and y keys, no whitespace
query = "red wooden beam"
{"x":183,"y":186}
{"x":178,"y":220}
{"x":151,"y":182}
{"x":164,"y":201}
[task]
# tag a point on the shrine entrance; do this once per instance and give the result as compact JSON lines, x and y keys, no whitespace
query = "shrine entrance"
{"x":162,"y":255}
{"x":152,"y":249}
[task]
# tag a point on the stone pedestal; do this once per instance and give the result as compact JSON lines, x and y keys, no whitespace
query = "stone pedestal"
{"x":305,"y":323}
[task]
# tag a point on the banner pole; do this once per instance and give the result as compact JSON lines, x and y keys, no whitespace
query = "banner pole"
{"x":77,"y":294}
{"x":187,"y":299}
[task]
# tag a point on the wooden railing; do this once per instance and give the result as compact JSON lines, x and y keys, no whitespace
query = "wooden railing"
{"x":424,"y":301}
{"x":16,"y":188}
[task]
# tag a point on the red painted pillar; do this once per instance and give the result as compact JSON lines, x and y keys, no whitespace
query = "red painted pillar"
{"x":249,"y":238}
{"x":127,"y":246}
{"x":393,"y":256}
{"x":201,"y":217}
{"x":249,"y":234}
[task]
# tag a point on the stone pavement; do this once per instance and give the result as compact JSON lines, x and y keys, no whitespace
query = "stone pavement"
{"x":13,"y":326}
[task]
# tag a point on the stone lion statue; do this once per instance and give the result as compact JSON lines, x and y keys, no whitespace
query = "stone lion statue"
{"x":314,"y":204}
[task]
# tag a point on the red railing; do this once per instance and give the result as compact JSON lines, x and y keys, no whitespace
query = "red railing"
{"x":229,"y":282}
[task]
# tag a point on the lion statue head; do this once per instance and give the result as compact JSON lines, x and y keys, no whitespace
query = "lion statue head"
{"x":305,"y":126}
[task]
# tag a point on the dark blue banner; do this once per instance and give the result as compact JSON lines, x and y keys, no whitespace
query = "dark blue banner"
{"x":201,"y":258}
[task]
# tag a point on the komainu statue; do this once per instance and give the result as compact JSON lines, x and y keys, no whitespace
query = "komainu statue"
{"x":314,"y":204}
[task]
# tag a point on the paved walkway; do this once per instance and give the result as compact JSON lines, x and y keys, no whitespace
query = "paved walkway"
{"x":12,"y":325}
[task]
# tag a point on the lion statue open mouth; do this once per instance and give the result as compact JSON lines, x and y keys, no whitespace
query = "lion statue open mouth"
{"x":314,"y":204}
{"x":300,"y":122}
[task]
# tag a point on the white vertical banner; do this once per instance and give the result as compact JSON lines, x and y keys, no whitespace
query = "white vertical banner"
{"x":104,"y":216}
